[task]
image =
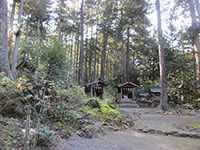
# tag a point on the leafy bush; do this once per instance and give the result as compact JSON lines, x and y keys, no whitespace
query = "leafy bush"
{"x":6,"y":85}
{"x":106,"y":112}
{"x":109,"y":113}
{"x":93,"y":103}
{"x":66,"y":115}
{"x":45,"y":136}
{"x":10,"y":134}
{"x":74,"y":95}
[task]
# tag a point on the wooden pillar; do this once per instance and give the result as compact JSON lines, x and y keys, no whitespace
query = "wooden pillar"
{"x":95,"y":94}
{"x":133,"y":94}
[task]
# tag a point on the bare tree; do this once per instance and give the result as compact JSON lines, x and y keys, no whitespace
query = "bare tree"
{"x":163,"y":83}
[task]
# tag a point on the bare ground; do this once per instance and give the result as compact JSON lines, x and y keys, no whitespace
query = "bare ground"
{"x":130,"y":140}
{"x":133,"y":140}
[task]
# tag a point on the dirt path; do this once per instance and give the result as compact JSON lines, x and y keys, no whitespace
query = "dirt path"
{"x":150,"y":119}
{"x":130,"y":140}
{"x":133,"y":140}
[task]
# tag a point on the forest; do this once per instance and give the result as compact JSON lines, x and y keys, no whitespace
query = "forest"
{"x":88,"y":67}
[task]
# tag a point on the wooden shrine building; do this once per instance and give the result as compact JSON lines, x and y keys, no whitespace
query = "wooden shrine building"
{"x":127,"y":90}
{"x":95,"y":88}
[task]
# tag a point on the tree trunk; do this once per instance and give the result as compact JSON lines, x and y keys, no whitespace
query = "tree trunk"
{"x":98,"y":66}
{"x":17,"y":41}
{"x":103,"y":54}
{"x":10,"y":40}
{"x":163,"y":83}
{"x":86,"y":62}
{"x":82,"y":51}
{"x":77,"y":57}
{"x":12,"y":14}
{"x":71,"y":48}
{"x":29,"y":42}
{"x":5,"y":67}
{"x":74,"y":57}
{"x":196,"y":41}
{"x":106,"y":66}
{"x":127,"y":56}
{"x":197,"y":4}
{"x":90,"y":47}
{"x":95,"y":52}
{"x":90,"y":65}
{"x":60,"y":25}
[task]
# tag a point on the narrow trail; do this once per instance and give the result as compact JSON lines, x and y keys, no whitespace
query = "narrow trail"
{"x":132,"y":140}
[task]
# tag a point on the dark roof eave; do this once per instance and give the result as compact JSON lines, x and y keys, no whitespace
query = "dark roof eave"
{"x":128,"y":83}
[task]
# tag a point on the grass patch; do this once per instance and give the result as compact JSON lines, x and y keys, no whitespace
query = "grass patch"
{"x":195,"y":126}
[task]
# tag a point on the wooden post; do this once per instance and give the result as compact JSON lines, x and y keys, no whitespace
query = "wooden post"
{"x":91,"y":91}
{"x":121,"y":94}
{"x":94,"y":89}
{"x":133,"y":94}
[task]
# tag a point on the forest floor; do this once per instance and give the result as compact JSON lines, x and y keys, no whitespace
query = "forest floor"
{"x":152,"y":131}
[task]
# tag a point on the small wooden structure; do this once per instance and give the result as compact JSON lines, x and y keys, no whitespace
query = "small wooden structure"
{"x":127,"y":90}
{"x":95,"y":88}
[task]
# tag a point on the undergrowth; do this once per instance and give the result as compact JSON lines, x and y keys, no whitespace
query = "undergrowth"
{"x":106,"y":112}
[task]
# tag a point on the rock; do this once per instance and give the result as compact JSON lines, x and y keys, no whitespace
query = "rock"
{"x":86,"y":120}
{"x":129,"y":122}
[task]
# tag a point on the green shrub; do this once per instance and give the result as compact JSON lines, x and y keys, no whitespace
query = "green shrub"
{"x":6,"y":84}
{"x":109,"y":113}
{"x":74,"y":95}
{"x":93,"y":103}
{"x":65,"y":114}
{"x":64,"y":117}
{"x":106,"y":112}
{"x":11,"y":136}
{"x":45,"y":136}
